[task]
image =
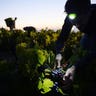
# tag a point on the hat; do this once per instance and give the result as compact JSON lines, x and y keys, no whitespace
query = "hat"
{"x":77,"y":6}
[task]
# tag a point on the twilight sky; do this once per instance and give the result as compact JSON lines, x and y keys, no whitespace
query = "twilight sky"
{"x":37,"y":13}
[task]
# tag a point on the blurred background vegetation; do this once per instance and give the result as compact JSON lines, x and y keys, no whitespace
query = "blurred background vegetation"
{"x":23,"y":51}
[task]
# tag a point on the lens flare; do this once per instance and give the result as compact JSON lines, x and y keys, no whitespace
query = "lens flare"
{"x":72,"y":16}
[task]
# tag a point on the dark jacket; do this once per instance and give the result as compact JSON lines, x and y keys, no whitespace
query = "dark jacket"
{"x":90,"y":29}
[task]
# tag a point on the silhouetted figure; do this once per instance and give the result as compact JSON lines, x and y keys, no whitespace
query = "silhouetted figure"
{"x":29,"y":29}
{"x":82,"y":14}
{"x":10,"y":23}
{"x":12,"y":40}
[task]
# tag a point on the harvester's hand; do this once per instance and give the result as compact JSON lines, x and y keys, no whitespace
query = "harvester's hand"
{"x":58,"y":60}
{"x":69,"y":74}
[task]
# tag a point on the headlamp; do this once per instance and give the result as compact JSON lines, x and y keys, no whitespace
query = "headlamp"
{"x":72,"y":16}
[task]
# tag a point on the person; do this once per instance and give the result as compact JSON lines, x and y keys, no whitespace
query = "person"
{"x":82,"y":14}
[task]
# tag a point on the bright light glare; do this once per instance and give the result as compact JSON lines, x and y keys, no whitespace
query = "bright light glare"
{"x":72,"y":16}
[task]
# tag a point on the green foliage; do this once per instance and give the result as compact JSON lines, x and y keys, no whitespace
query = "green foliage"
{"x":72,"y":42}
{"x":31,"y":52}
{"x":78,"y":53}
{"x":6,"y":67}
{"x":3,"y":65}
{"x":46,"y":85}
{"x":51,"y":59}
